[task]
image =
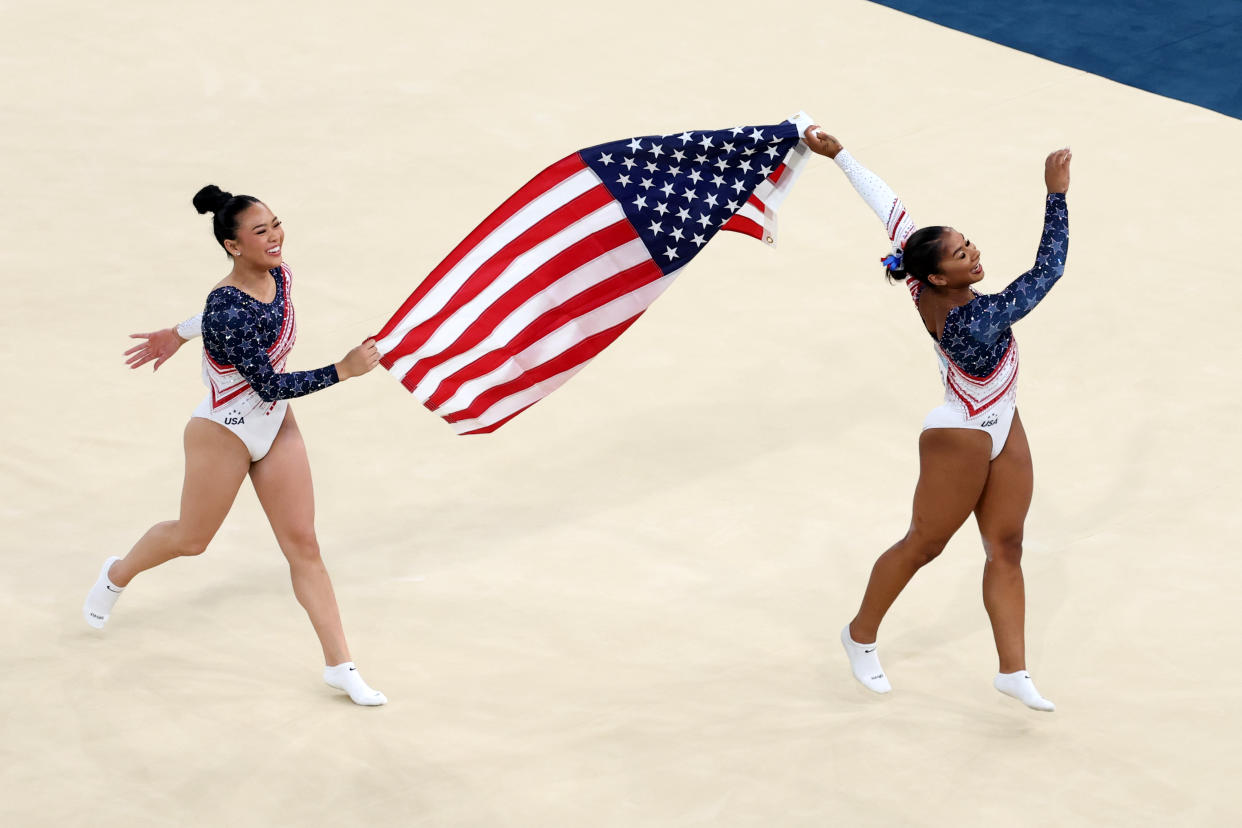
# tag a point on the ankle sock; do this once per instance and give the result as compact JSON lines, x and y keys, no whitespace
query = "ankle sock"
{"x":1020,"y":686}
{"x":865,"y":663}
{"x":102,"y":597}
{"x":346,"y":677}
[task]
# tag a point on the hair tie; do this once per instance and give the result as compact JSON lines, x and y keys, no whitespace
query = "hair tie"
{"x":893,"y":262}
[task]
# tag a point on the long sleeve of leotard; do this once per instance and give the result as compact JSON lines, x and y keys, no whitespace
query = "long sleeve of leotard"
{"x":191,"y":327}
{"x":880,"y":198}
{"x":232,"y":342}
{"x":988,"y":317}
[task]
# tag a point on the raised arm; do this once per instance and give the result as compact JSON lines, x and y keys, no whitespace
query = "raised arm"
{"x":988,"y":317}
{"x":162,"y":344}
{"x":878,"y":195}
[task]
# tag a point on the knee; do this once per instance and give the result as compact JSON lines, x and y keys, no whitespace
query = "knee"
{"x":923,"y":547}
{"x":184,"y":540}
{"x":1005,"y":551}
{"x":188,"y":546}
{"x":301,"y":547}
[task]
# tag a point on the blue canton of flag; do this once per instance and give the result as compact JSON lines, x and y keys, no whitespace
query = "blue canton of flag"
{"x":679,"y":190}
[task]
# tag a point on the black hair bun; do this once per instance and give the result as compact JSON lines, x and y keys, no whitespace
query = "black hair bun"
{"x":210,"y":199}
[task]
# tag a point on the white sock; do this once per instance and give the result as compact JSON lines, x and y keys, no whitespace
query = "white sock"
{"x":346,"y":677}
{"x":1020,"y":686}
{"x":865,"y":663}
{"x":102,"y":597}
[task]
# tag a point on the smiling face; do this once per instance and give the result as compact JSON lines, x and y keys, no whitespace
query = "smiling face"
{"x":260,"y":237}
{"x":960,"y":264}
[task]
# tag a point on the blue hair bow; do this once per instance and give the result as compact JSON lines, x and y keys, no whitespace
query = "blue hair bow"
{"x":893,"y":262}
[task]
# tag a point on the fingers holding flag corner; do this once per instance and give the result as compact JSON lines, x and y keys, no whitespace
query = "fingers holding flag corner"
{"x":360,"y":360}
{"x":821,"y":142}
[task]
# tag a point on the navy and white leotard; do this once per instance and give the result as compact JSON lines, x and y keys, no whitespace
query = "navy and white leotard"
{"x":246,"y":344}
{"x":977,"y":350}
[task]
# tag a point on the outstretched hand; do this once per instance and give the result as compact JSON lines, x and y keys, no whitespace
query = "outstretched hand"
{"x":359,"y":360}
{"x":159,"y":346}
{"x":821,"y":142}
{"x":1057,"y":170}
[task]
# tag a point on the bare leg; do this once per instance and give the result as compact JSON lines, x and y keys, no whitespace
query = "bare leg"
{"x":215,"y":466}
{"x":953,"y":466}
{"x":282,"y":480}
{"x":1001,"y":515}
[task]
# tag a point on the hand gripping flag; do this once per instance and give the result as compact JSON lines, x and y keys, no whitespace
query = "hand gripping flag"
{"x":568,"y":262}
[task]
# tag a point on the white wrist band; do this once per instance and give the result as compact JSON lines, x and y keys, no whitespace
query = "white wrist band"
{"x":191,"y":327}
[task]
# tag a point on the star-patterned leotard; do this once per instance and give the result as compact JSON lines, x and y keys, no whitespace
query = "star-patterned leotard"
{"x":246,"y":343}
{"x":242,"y":332}
{"x":977,"y":334}
{"x":977,"y":350}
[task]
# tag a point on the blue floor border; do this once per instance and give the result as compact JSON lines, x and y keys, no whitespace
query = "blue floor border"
{"x":1190,"y":50}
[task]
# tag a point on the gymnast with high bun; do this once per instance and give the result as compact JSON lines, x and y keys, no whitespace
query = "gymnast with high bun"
{"x":244,"y":426}
{"x":973,"y":451}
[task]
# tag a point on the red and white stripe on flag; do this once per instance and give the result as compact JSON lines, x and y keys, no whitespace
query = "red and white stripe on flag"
{"x":545,"y":283}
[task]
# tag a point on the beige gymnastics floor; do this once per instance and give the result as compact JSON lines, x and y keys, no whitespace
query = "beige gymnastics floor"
{"x":622,"y":609}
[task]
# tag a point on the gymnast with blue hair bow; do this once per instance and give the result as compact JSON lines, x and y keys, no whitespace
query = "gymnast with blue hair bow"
{"x":973,"y":452}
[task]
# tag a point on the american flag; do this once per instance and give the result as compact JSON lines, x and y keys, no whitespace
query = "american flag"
{"x":568,"y":262}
